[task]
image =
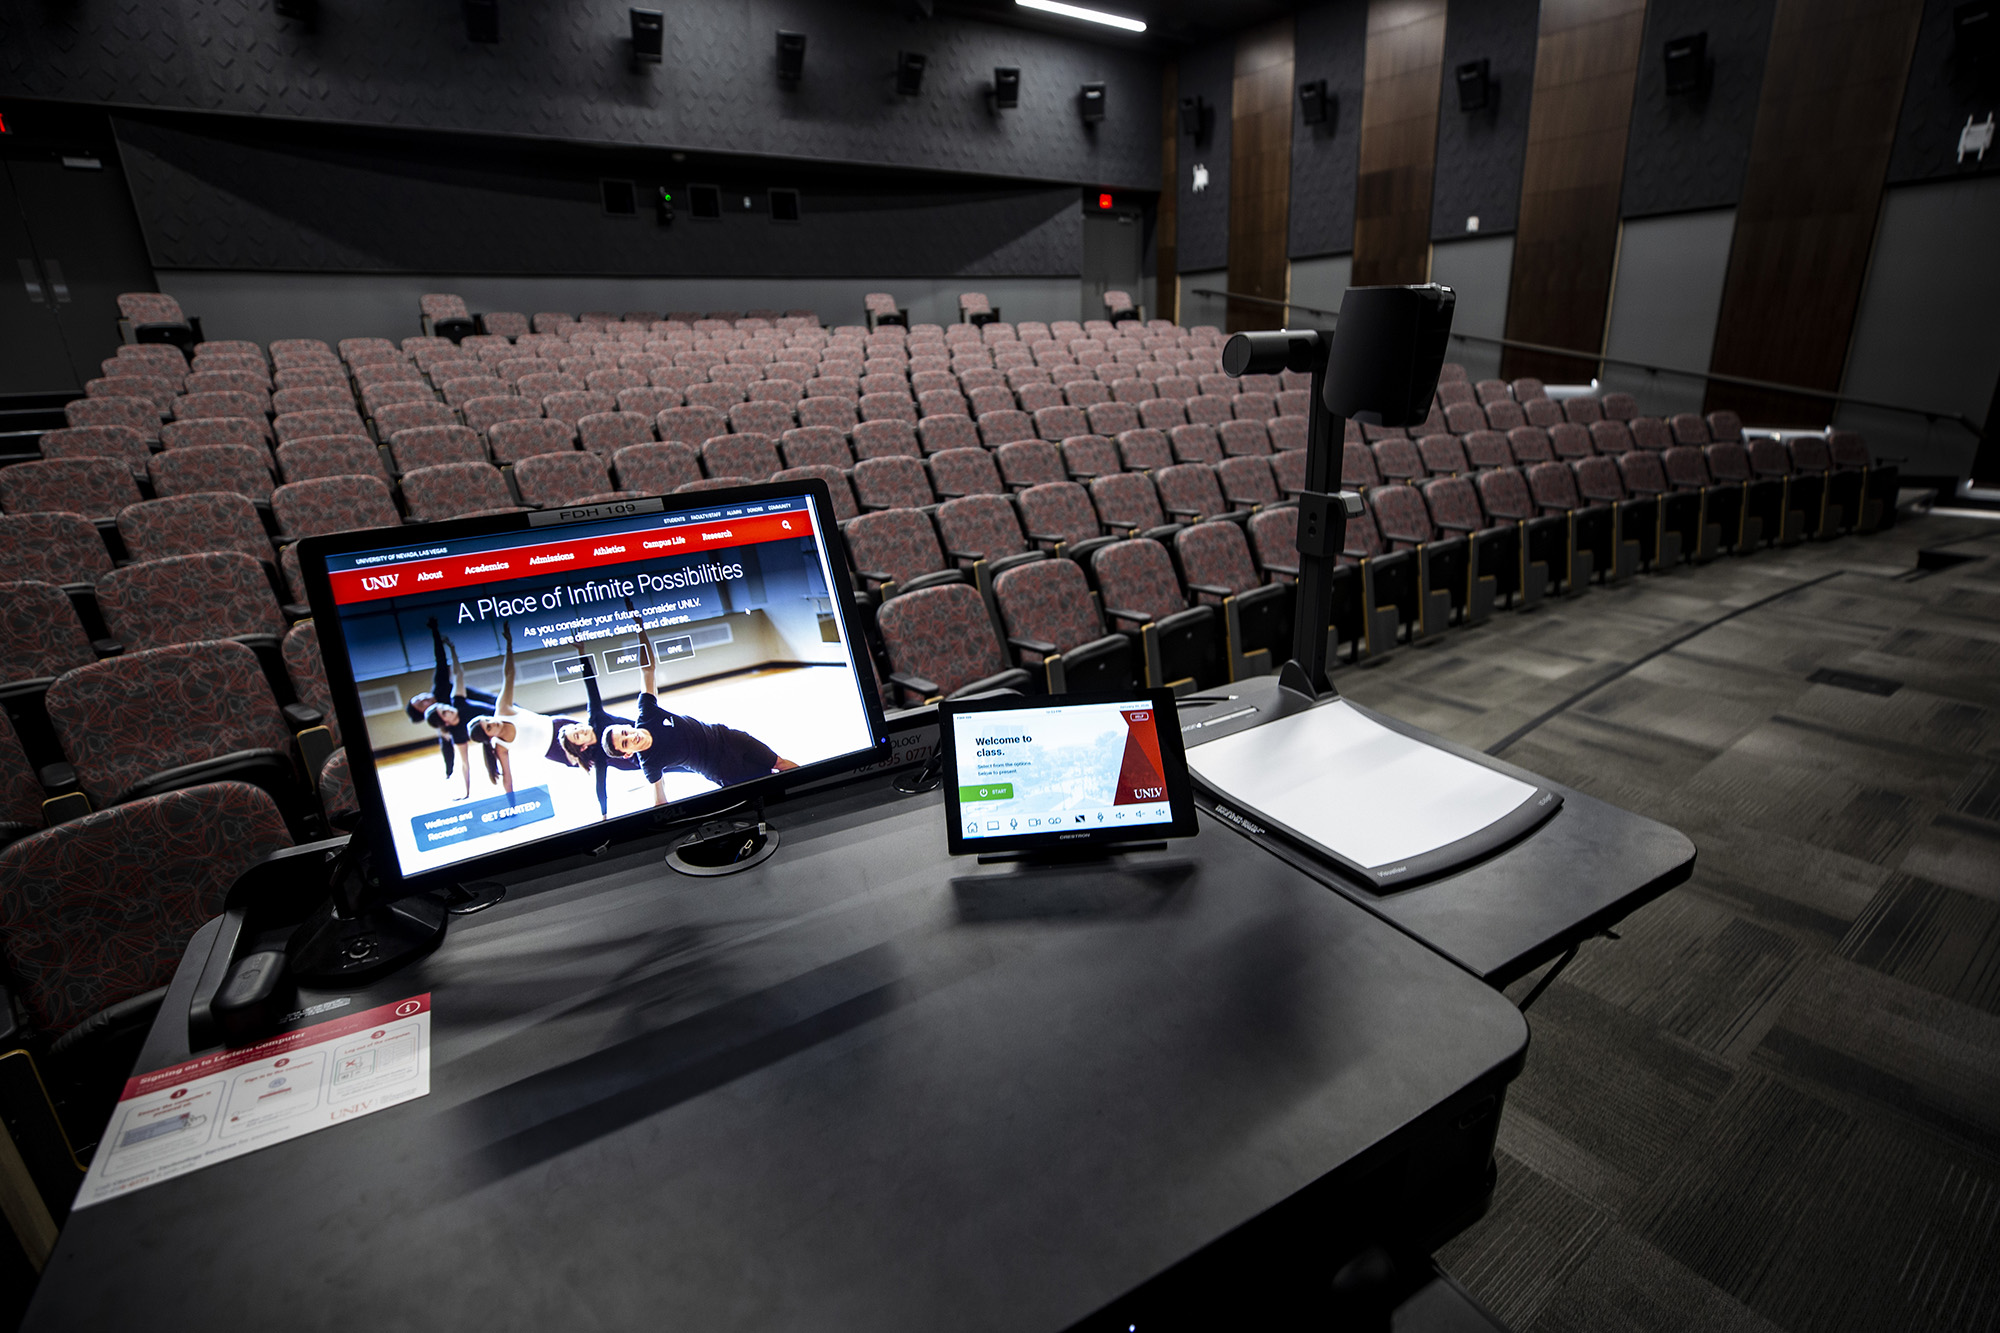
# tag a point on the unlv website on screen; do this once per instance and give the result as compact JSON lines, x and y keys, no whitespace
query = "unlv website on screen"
{"x":1045,"y":770}
{"x":526,"y":684}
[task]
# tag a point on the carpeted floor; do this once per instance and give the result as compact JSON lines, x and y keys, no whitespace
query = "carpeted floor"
{"x":1774,"y":1102}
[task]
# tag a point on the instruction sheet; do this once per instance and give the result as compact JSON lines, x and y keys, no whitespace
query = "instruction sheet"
{"x":227,"y":1103}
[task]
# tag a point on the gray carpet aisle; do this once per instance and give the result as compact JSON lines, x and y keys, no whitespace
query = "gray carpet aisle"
{"x":1775,"y":1101}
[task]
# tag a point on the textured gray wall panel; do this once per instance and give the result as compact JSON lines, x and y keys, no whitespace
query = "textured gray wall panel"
{"x":1687,"y":153}
{"x":1479,"y":153}
{"x":1210,"y":74}
{"x":1332,"y":44}
{"x":1942,"y":91}
{"x":561,"y":71}
{"x":1478,"y":269}
{"x":208,"y":200}
{"x":1663,"y":312}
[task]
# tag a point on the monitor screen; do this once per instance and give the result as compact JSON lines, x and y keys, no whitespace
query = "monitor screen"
{"x":1077,"y":768}
{"x":516,"y":679}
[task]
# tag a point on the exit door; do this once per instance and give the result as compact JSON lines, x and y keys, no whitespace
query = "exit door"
{"x":1114,"y":250}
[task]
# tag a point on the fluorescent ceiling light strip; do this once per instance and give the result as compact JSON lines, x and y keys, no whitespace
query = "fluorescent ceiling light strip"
{"x":1087,"y":15}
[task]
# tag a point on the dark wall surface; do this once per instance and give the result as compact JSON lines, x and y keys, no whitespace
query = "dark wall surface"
{"x":238,"y":194}
{"x":1209,"y":74}
{"x":1690,"y":152}
{"x":1944,"y":88}
{"x":1331,"y":44}
{"x":1479,"y":153}
{"x":562,"y":71}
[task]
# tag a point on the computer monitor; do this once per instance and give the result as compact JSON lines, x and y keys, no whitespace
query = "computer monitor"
{"x":509,"y":688}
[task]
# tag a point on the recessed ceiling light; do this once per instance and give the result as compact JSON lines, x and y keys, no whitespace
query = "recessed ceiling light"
{"x":1087,"y":15}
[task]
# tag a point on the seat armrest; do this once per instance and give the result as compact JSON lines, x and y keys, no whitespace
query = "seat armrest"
{"x":1032,"y":646}
{"x":1136,"y":617}
{"x":301,"y":716}
{"x":915,"y":684}
{"x":58,"y":778}
{"x":107,"y":647}
{"x":1164,"y":534}
{"x":1211,"y":589}
{"x":295,"y":612}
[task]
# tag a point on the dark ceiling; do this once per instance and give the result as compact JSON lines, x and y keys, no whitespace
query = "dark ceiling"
{"x":1170,"y":24}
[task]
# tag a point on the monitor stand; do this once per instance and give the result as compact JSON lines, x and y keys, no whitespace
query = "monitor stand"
{"x":1068,"y":856}
{"x":349,"y":941}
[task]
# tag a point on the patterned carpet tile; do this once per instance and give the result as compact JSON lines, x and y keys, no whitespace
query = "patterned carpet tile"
{"x":1628,"y":1286}
{"x":1932,"y":936}
{"x":1535,"y":1235}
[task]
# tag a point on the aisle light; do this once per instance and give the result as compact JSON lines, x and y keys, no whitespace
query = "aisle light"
{"x":1087,"y":15}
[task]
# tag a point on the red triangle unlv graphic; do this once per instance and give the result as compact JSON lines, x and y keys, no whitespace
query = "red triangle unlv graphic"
{"x":1141,"y":778}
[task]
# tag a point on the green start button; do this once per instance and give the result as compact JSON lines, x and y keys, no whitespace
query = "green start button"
{"x":988,"y":791}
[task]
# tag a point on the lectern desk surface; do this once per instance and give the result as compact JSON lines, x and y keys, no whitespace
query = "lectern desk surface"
{"x":1587,"y":868}
{"x":859,"y":1086}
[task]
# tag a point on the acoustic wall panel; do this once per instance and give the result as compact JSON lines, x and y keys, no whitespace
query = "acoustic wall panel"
{"x":1260,"y":173}
{"x":1479,"y":152}
{"x":1689,"y":151}
{"x":1331,"y":44}
{"x":1203,"y":185}
{"x":1399,"y":109}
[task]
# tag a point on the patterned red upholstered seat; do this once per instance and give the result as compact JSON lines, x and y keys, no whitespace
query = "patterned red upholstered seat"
{"x":1047,"y":601}
{"x":1216,"y":555}
{"x":948,"y":402}
{"x":981,"y":527}
{"x":99,"y":909}
{"x":1287,"y":432}
{"x":1059,"y":511}
{"x":427,"y":446}
{"x":1178,"y":388}
{"x":330,"y":456}
{"x":1132,"y":390}
{"x":440,"y":306}
{"x":1584,"y":411}
{"x":1770,"y":458}
{"x":888,"y":407}
{"x":570,"y":408}
{"x":815,"y":446}
{"x":656,"y":469}
{"x":563,"y":479}
{"x":1454,"y":504}
{"x":1729,"y":462}
{"x":1127,"y":500}
{"x":223,"y":403}
{"x":1398,"y":460}
{"x":1087,"y":456}
{"x":889,"y":386}
{"x":513,"y":441}
{"x":1505,"y":416}
{"x":1056,"y":424}
{"x":886,"y":439}
{"x":947,"y":432}
{"x":541,"y":383}
{"x":692,"y":424}
{"x":979,"y":377}
{"x":971,"y":471}
{"x":214,"y":467}
{"x":1274,"y":541}
{"x":1611,"y":438}
{"x":1643,"y":472}
{"x":1648,"y":433}
{"x":1723,"y":425}
{"x":1253,"y":406}
{"x":1456,"y":394}
{"x":748,"y":455}
{"x":1443,"y":455}
{"x":187,"y":524}
{"x":52,"y":547}
{"x":482,"y":414}
{"x":108,"y":714}
{"x":354,"y":351}
{"x":1504,"y":494}
{"x":1025,"y":463}
{"x":333,"y":504}
{"x":1685,"y":466}
{"x":1190,"y":492}
{"x":1554,"y":488}
{"x":1371,"y":433}
{"x":312,"y":399}
{"x":1196,"y":443}
{"x":1247,"y":481}
{"x":1543,"y":412}
{"x":1005,"y":427}
{"x":1137,"y":575}
{"x":1453,"y":373}
{"x":504,"y":323}
{"x":1492,"y":391}
{"x":1294,"y":402}
{"x":1217,"y":384}
{"x":1357,"y":466}
{"x":1086,"y":393}
{"x":844,"y":504}
{"x":20,"y":791}
{"x":40,"y":636}
{"x":1847,"y":448}
{"x":1464,"y":418}
{"x":646,"y":401}
{"x":1209,"y":410}
{"x":1144,"y":449}
{"x":1570,"y":440}
{"x":1244,"y":437}
{"x":307,"y":673}
{"x":614,"y":378}
{"x":208,"y":431}
{"x":319,"y":421}
{"x":454,"y":489}
{"x":1619,"y":406}
{"x":390,"y":418}
{"x":392,"y":369}
{"x":894,"y":545}
{"x":1689,"y":428}
{"x":838,"y":413}
{"x":188,"y":598}
{"x":119,"y":442}
{"x":150,"y":308}
{"x":1488,"y":449}
{"x":830,"y":385}
{"x":1530,"y":444}
{"x":1528,"y":389}
{"x":1112,"y":419}
{"x":762,"y":417}
{"x":941,"y":636}
{"x":605,"y":433}
{"x":1598,"y":479}
{"x":1162,"y":413}
{"x":892,"y":482}
{"x":1289,"y":467}
{"x":159,"y":390}
{"x":92,"y":487}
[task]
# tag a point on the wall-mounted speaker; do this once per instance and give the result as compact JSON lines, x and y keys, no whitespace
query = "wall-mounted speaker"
{"x":1315,"y":103}
{"x":784,"y":205}
{"x":705,"y":201}
{"x":1475,"y":85}
{"x":909,"y":73}
{"x":1687,"y":64}
{"x":482,"y":21}
{"x":621,"y":199}
{"x":1090,"y":102}
{"x":649,"y":36}
{"x":1006,"y":87}
{"x":1194,"y":116}
{"x":791,"y":56}
{"x":1975,"y":30}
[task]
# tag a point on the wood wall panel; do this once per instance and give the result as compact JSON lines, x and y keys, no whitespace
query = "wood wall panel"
{"x":1826,"y":121}
{"x":1260,"y":173}
{"x":1566,"y":248}
{"x":1399,"y":110}
{"x":1166,"y":225}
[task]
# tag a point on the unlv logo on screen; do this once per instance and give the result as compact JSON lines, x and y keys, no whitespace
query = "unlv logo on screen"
{"x":379,"y":582}
{"x":1141,"y":777}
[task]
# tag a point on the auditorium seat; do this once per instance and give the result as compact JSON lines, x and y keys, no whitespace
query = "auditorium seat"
{"x":393,"y":417}
{"x":761,"y":417}
{"x":312,"y":399}
{"x":983,"y":534}
{"x":1569,"y":440}
{"x":482,"y":414}
{"x":155,"y":318}
{"x":936,"y":434}
{"x":941,"y":644}
{"x":1060,"y":517}
{"x":1056,"y":424}
{"x":40,"y":639}
{"x":1219,"y":570}
{"x":21,"y":792}
{"x":1530,"y":445}
{"x":330,"y":456}
{"x":1005,"y":427}
{"x":1248,"y":482}
{"x":1180,"y":646}
{"x":897,"y":550}
{"x":1127,"y":503}
{"x":214,"y":467}
{"x":893,"y":482}
{"x":648,"y":401}
{"x":120,"y":442}
{"x":1112,"y":419}
{"x":158,"y":390}
{"x":1287,"y":433}
{"x":95,"y":915}
{"x":1209,"y":410}
{"x":1025,"y":463}
{"x":1635,"y":519}
{"x":1619,"y":406}
{"x":1543,"y":538}
{"x":1443,"y":456}
{"x":190,"y":598}
{"x":453,"y":490}
{"x":228,"y":726}
{"x":512,"y":441}
{"x":550,"y":479}
{"x":1086,"y":393}
{"x":1144,"y":449}
{"x":57,"y":547}
{"x":838,"y":413}
{"x":1051,"y":622}
{"x":692,"y":424}
{"x":188,"y":524}
{"x":656,"y":469}
{"x":1879,"y":480}
{"x":885,"y":439}
{"x":604,"y":433}
{"x":570,"y":408}
{"x":815,"y":446}
{"x":1690,"y":428}
{"x":224,"y":403}
{"x":1679,"y":519}
{"x":1841,"y":499}
{"x":1190,"y":492}
{"x":1803,"y":494}
{"x":1724,"y":426}
{"x":958,"y":472}
{"x":1492,"y":564}
{"x":96,"y":488}
{"x":1195,"y":442}
{"x":1591,"y":527}
{"x":844,"y":504}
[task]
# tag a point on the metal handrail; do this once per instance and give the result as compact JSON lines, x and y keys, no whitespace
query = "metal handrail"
{"x":1955,"y":418}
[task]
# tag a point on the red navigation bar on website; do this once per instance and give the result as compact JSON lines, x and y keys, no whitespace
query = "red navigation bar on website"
{"x":594,"y":553}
